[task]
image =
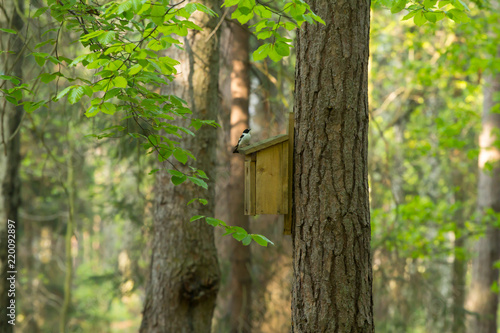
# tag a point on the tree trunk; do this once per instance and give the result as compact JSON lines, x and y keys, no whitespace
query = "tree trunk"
{"x":241,"y":281}
{"x":459,"y":268}
{"x":10,"y":159}
{"x":482,"y":301}
{"x":70,"y":190}
{"x":184,"y":270}
{"x":332,"y":289}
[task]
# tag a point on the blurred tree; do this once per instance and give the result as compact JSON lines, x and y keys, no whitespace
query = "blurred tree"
{"x":10,"y":158}
{"x":331,"y":236}
{"x":184,"y":276}
{"x":239,"y":306}
{"x":483,"y":293}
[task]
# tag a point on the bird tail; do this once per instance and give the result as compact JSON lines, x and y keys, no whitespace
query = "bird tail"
{"x":235,"y":150}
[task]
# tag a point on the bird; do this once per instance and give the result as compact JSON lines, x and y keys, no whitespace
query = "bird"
{"x":243,"y":141}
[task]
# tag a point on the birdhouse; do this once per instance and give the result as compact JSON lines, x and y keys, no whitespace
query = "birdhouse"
{"x":268,"y":176}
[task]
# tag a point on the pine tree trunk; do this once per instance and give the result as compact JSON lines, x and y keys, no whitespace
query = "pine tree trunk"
{"x":241,"y":281}
{"x":482,"y":301}
{"x":184,"y":270}
{"x":10,"y":158}
{"x":332,"y":289}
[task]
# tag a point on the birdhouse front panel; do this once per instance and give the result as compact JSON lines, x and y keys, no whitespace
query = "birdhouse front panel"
{"x":266,"y":176}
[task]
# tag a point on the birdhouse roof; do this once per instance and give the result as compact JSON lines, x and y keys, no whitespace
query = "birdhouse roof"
{"x":264,"y":144}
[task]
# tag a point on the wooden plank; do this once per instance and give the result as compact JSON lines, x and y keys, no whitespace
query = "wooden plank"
{"x":284,"y":177}
{"x":268,"y":181}
{"x":249,"y":205}
{"x":263,"y":144}
{"x":287,"y":227}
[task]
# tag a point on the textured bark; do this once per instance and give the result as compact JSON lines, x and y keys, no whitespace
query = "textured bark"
{"x":10,"y":158}
{"x":184,"y":270}
{"x":332,"y":289}
{"x":481,"y":300}
{"x":241,"y":281}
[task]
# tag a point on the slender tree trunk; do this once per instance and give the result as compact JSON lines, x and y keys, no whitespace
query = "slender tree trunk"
{"x":459,"y":268}
{"x":482,"y":301}
{"x":10,"y":158}
{"x":68,"y":278}
{"x":332,"y":289}
{"x":241,"y":281}
{"x":184,"y":270}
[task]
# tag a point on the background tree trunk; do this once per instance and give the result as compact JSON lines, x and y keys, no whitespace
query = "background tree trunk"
{"x":332,"y":289}
{"x":482,"y":300}
{"x":184,"y":270}
{"x":10,"y":158}
{"x":239,"y":306}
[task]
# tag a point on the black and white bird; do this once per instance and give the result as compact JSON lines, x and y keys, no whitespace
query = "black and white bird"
{"x":243,"y":141}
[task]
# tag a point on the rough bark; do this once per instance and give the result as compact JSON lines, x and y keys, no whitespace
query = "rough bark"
{"x":184,"y":270}
{"x":482,"y":301}
{"x":10,"y":158}
{"x":241,"y":281}
{"x":332,"y":289}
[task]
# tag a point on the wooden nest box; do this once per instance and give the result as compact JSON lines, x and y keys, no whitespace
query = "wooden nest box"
{"x":269,"y":175}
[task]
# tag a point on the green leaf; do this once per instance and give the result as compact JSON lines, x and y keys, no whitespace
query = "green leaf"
{"x":75,"y":94}
{"x":43,"y":43}
{"x":180,"y":156}
{"x":153,"y":171}
{"x":190,"y":8}
{"x":494,"y":287}
{"x":178,"y":180}
{"x":264,"y":34}
{"x":398,"y":6}
{"x":409,"y":15}
{"x":175,"y":173}
{"x":63,"y":93}
{"x":196,"y":217}
{"x":204,"y":175}
{"x":198,"y":182}
{"x":9,"y":31}
{"x":419,"y":18}
{"x":429,"y":3}
{"x":12,"y":79}
{"x":214,"y":222}
{"x":283,"y":49}
{"x":229,"y":3}
{"x":107,"y":108}
{"x":261,"y":240}
{"x":431,"y":17}
{"x":134,"y":69}
{"x":460,"y":5}
{"x":106,"y":37}
{"x":30,"y":106}
{"x":40,"y":60}
{"x":240,"y":233}
{"x":247,"y":240}
{"x":40,"y":11}
{"x":46,"y":78}
{"x":92,"y":111}
{"x":458,"y":16}
{"x":120,"y":82}
{"x":261,"y":52}
{"x":317,"y":18}
{"x":87,"y":37}
{"x":274,"y":56}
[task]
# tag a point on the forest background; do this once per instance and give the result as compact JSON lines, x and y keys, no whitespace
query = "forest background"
{"x":426,"y":78}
